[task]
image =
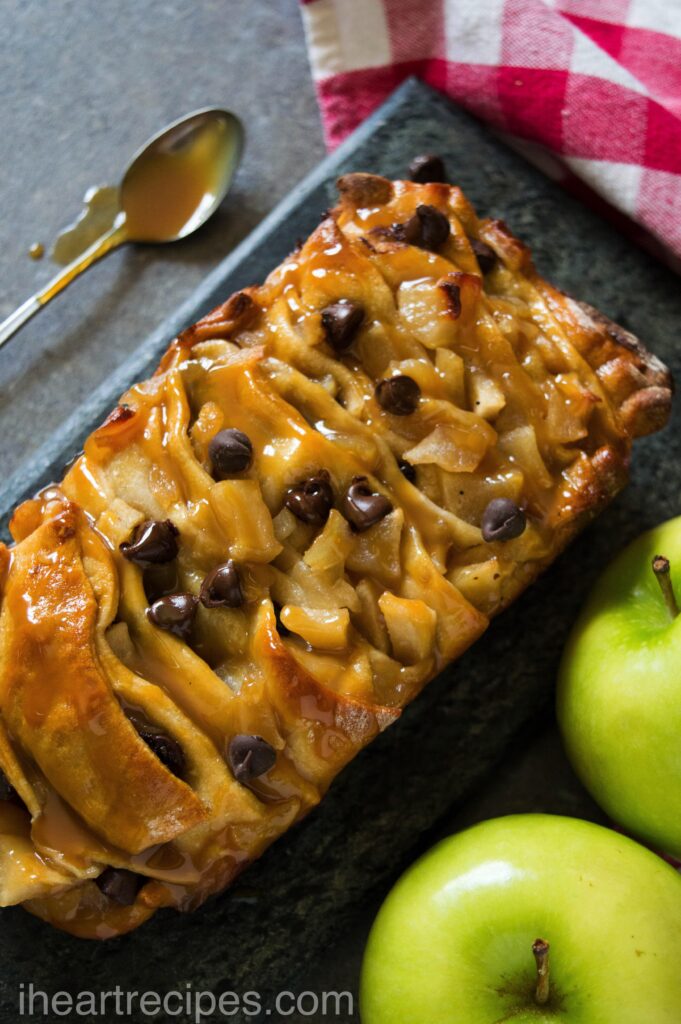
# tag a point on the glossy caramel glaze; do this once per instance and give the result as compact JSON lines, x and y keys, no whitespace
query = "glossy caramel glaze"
{"x":523,"y":394}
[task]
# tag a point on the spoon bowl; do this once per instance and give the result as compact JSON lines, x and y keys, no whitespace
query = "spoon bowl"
{"x":177,"y":180}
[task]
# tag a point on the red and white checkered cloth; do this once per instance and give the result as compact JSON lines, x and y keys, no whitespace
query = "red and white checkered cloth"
{"x":595,"y":82}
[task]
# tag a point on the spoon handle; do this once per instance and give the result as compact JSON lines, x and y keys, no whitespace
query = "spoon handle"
{"x":111,"y":240}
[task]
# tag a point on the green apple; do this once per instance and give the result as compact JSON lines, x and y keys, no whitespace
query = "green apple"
{"x":453,"y":942}
{"x":619,"y":691}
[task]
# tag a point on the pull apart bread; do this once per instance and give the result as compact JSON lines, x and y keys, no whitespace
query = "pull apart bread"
{"x":328,"y":488}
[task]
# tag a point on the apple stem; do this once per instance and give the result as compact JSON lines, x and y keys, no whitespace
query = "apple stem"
{"x":540,"y":948}
{"x":661,"y":570}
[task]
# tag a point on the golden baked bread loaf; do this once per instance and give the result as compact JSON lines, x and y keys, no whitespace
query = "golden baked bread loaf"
{"x":330,"y":485}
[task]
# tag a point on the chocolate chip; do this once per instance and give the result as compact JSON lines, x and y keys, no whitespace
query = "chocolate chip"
{"x":230,"y":452}
{"x":398,"y":395}
{"x":428,"y":228}
{"x":120,"y":885}
{"x":407,"y":470}
{"x":485,"y":254}
{"x":340,"y":323}
{"x":427,"y":168}
{"x":167,"y":750}
{"x":502,"y":520}
{"x":222,"y":587}
{"x":174,"y":613}
{"x":250,"y":756}
{"x":153,"y":543}
{"x":311,"y":500}
{"x":363,"y":507}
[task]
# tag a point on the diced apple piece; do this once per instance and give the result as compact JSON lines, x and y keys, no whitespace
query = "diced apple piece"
{"x":451,"y":446}
{"x":241,"y":502}
{"x":284,"y":524}
{"x":480,"y":583}
{"x":118,"y":521}
{"x":371,"y":621}
{"x":209,"y":421}
{"x":294,"y":582}
{"x":521,"y":443}
{"x":118,"y":639}
{"x":376,"y":551}
{"x":423,"y":308}
{"x":451,"y":368}
{"x":486,"y":397}
{"x":326,"y":630}
{"x":133,"y":481}
{"x":411,"y":627}
{"x":331,"y":547}
{"x":570,"y":407}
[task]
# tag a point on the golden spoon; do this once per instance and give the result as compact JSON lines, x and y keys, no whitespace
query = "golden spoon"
{"x":173,"y":185}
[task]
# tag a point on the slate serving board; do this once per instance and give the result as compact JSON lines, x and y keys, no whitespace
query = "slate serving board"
{"x":310,"y":884}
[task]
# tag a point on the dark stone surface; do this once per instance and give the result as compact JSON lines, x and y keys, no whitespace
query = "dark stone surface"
{"x":313,"y":884}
